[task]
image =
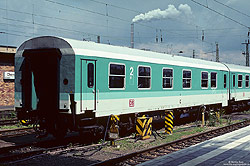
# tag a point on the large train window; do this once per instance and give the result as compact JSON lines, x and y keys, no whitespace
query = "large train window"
{"x":186,"y":78}
{"x":225,"y":80}
{"x":247,"y":81}
{"x":234,"y":80}
{"x":239,"y":81}
{"x":116,"y":75}
{"x":204,"y":79}
{"x":213,"y":80}
{"x":144,"y":77}
{"x":167,"y":78}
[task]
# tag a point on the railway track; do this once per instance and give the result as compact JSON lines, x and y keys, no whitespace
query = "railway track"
{"x":9,"y":122}
{"x":157,"y":151}
{"x":7,"y":113}
{"x":11,"y":154}
{"x":20,"y":152}
{"x":16,"y":132}
{"x":8,"y":117}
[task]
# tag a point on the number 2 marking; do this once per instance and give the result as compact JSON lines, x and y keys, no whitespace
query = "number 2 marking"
{"x":131,"y":71}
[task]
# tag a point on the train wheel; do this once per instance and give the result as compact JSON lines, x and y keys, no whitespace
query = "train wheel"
{"x":60,"y":130}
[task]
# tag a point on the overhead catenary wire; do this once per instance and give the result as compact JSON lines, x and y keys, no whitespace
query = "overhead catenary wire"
{"x":131,"y":10}
{"x":30,"y":27}
{"x":136,"y":11}
{"x":14,"y":34}
{"x":232,"y":8}
{"x":110,"y":16}
{"x":6,"y":31}
{"x":61,"y":19}
{"x":51,"y":26}
{"x":87,"y":10}
{"x":78,"y":32}
{"x":117,"y":18}
{"x":165,"y":29}
{"x":56,"y":28}
{"x":215,"y":11}
{"x":180,"y":35}
{"x":119,"y":7}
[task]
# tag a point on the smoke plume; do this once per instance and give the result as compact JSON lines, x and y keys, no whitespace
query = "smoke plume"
{"x":170,"y":12}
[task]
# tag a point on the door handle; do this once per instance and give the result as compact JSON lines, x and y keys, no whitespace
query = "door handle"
{"x":93,"y":91}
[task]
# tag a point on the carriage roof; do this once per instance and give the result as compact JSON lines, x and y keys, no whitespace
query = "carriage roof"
{"x":92,"y":49}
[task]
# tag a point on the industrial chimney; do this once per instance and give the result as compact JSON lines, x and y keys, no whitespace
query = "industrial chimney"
{"x":132,"y":35}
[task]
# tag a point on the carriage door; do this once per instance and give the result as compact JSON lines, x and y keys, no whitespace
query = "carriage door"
{"x":233,"y":93}
{"x":226,"y":87}
{"x":88,"y":85}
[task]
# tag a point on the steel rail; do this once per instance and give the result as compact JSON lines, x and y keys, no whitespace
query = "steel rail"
{"x":185,"y":142}
{"x":16,"y":132}
{"x":9,"y":122}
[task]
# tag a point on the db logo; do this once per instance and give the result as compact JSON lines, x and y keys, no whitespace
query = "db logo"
{"x":131,"y":102}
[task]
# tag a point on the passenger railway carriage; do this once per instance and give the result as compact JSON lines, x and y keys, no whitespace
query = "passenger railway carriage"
{"x":66,"y":84}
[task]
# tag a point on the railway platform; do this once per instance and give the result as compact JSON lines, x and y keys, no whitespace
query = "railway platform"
{"x":231,"y":149}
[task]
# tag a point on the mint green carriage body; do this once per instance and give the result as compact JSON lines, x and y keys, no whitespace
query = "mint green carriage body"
{"x":102,"y":100}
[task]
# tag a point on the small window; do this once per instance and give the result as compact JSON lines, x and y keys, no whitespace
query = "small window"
{"x":91,"y":75}
{"x":213,"y":79}
{"x":187,"y":79}
{"x":144,"y":77}
{"x":225,"y":80}
{"x":116,"y":76}
{"x":239,"y":81}
{"x":167,"y":78}
{"x":233,"y":80}
{"x":247,"y":81}
{"x":204,"y":79}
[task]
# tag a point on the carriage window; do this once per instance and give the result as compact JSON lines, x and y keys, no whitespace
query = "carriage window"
{"x":144,"y":77}
{"x":167,"y":78}
{"x":233,"y":80}
{"x":213,"y":79}
{"x":225,"y":80}
{"x":116,"y":76}
{"x":204,"y":79}
{"x":239,"y":81}
{"x":247,"y":81}
{"x":90,"y":75}
{"x":186,"y":79}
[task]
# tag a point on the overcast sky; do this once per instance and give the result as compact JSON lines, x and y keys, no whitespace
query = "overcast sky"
{"x":181,"y":23}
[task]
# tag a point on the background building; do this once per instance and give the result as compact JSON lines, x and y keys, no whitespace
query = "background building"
{"x":7,"y":76}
